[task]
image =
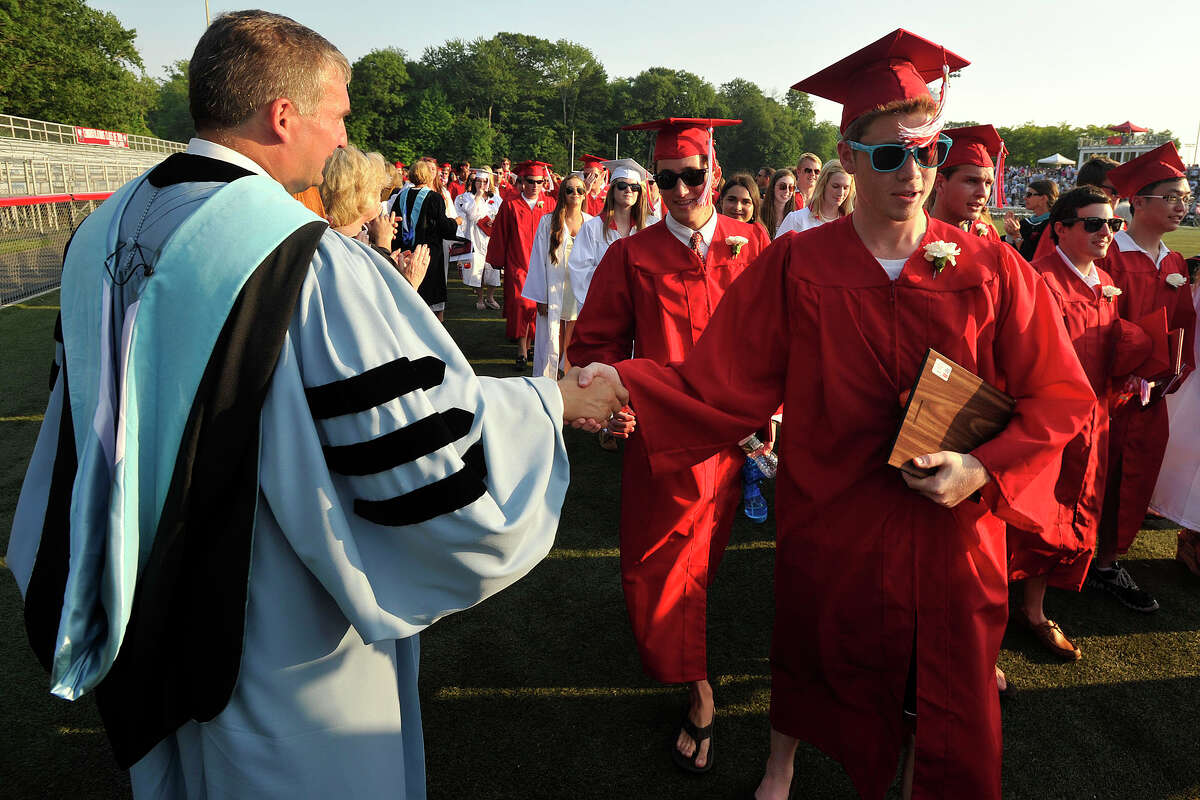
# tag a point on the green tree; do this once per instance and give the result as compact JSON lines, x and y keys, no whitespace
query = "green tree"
{"x":378,"y":98}
{"x":63,"y":61}
{"x":171,"y":117}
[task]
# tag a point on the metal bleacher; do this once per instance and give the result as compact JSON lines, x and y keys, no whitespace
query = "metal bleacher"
{"x":48,"y":184}
{"x":41,"y":158}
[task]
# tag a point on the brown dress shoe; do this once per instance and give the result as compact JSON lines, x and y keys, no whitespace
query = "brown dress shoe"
{"x":1052,"y":637}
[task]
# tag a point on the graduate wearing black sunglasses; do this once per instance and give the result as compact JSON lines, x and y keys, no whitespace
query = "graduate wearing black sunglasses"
{"x":1081,"y":226}
{"x":653,"y":294}
{"x":890,"y":590}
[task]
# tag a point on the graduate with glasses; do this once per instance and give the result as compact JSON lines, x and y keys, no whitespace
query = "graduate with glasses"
{"x":510,"y":247}
{"x":652,"y":294}
{"x":891,"y":591}
{"x":1150,"y":276}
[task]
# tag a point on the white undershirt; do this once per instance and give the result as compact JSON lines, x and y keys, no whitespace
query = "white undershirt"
{"x":684,"y":234}
{"x":531,"y":201}
{"x":892,"y":266}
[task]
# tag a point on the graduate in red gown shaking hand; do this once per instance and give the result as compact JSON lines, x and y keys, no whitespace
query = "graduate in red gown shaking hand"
{"x":891,"y":592}
{"x":653,"y":294}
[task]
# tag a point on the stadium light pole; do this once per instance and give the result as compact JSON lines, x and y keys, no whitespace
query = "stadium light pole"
{"x":206,"y":20}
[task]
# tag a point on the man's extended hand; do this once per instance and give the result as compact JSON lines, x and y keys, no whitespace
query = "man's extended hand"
{"x":599,"y":370}
{"x":958,"y":476}
{"x":590,"y":406}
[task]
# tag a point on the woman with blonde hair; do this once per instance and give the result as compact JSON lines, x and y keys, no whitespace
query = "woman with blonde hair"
{"x":832,"y":197}
{"x":626,"y":211}
{"x":477,"y":206}
{"x":779,"y":202}
{"x":548,"y":282}
{"x":350,"y":194}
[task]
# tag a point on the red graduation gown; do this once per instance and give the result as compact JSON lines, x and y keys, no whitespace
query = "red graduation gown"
{"x":652,"y":296}
{"x":866,"y":567}
{"x":594,"y":205}
{"x":1109,"y":348}
{"x":509,"y":247}
{"x":1138,"y":434}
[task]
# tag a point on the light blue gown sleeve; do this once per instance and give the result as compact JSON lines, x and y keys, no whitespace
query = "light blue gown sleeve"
{"x":30,"y":515}
{"x":409,"y":487}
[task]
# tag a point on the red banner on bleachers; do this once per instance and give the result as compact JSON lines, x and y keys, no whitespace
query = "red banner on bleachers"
{"x":97,"y":136}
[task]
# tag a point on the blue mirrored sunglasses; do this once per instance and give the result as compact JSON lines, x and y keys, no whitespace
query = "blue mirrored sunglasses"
{"x":891,"y":157}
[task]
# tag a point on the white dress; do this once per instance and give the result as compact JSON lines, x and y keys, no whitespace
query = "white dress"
{"x":472,"y":213}
{"x":801,"y":220}
{"x":550,"y":283}
{"x":1177,"y":494}
{"x":591,"y":244}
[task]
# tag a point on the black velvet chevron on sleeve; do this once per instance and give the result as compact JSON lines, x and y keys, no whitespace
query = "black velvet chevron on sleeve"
{"x":183,"y":644}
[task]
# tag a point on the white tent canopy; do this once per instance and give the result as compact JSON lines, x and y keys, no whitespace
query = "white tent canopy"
{"x":1056,"y":160}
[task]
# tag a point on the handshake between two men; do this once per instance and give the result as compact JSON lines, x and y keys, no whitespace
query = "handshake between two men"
{"x":592,"y":396}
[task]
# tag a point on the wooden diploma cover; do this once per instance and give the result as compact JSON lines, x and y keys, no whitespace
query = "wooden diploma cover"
{"x":949,"y":408}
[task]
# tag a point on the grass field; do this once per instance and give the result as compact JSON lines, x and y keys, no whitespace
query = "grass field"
{"x":1185,"y":240}
{"x":537,"y":693}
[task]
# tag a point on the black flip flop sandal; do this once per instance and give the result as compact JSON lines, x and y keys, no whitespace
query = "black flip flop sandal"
{"x":698,"y":736}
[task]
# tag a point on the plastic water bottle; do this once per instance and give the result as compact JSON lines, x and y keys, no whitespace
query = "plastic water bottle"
{"x":766,"y":461}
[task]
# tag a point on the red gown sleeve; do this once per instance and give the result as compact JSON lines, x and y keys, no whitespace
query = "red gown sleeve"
{"x":688,"y":411}
{"x":1183,"y":316}
{"x":1131,"y":347}
{"x":502,"y":228}
{"x":1042,"y":373}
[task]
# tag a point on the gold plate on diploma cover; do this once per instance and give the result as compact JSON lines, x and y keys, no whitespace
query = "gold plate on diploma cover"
{"x":949,"y":408}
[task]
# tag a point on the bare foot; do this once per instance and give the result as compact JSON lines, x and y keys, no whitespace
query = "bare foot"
{"x":701,"y":713}
{"x":777,"y":781}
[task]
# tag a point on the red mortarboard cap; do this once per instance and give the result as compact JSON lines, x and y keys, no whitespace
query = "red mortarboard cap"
{"x":445,"y":163}
{"x":1160,"y":164}
{"x":399,"y":165}
{"x":978,"y":145}
{"x":535,"y":169}
{"x":897,"y":67}
{"x":590,"y":160}
{"x":681,"y":137}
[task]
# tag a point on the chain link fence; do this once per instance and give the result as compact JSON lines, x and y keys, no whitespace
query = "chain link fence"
{"x":33,"y":234}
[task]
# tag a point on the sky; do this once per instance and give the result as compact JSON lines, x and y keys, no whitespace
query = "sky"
{"x":1095,"y":62}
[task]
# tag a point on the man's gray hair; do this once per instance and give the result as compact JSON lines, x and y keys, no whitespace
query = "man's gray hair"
{"x":249,"y":59}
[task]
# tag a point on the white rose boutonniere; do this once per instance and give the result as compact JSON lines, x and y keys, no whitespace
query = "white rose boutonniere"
{"x":1110,"y":292}
{"x":540,"y":204}
{"x":1175,"y":280}
{"x":981,"y":228}
{"x":940,"y":254}
{"x":736,"y":242}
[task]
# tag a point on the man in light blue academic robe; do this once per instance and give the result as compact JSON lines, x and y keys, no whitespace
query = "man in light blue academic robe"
{"x":265,"y":466}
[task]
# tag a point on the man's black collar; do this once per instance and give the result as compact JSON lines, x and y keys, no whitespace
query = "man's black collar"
{"x":189,"y":168}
